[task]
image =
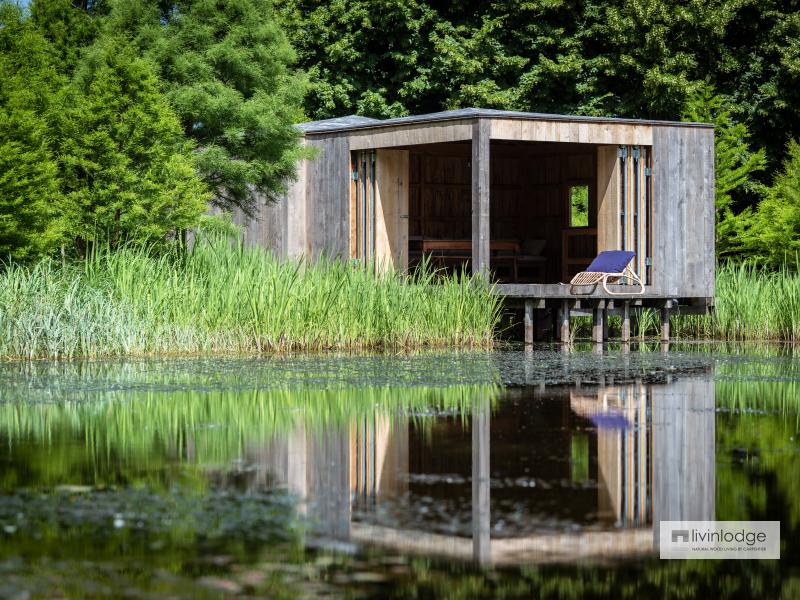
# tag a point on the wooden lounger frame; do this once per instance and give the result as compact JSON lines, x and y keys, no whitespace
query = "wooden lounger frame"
{"x":597,"y":277}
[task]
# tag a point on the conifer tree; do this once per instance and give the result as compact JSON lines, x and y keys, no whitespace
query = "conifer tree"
{"x":126,"y":167}
{"x":226,"y":69}
{"x":31,"y":205}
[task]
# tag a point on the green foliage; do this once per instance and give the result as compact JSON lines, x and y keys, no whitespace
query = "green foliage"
{"x":579,"y":206}
{"x":734,"y":165}
{"x":117,"y":118}
{"x":69,"y":27}
{"x":126,"y":166}
{"x":775,"y":235}
{"x":622,"y":57}
{"x":226,"y":70}
{"x":30,"y":197}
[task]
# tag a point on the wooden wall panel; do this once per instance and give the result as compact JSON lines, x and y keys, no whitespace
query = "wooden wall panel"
{"x":279,"y":226}
{"x":410,"y":135}
{"x":683,"y":212}
{"x":296,"y":230}
{"x":607,"y":198}
{"x":328,"y":197}
{"x":391,"y":235}
{"x":267,"y":227}
{"x":571,"y":132}
{"x":481,"y":183}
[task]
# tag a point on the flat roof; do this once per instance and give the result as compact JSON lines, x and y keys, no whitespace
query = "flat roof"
{"x":357,"y":123}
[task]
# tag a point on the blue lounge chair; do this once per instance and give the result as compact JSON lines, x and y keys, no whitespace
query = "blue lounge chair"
{"x":610,"y":266}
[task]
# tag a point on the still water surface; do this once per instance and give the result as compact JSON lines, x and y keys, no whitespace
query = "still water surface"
{"x":452,"y":475}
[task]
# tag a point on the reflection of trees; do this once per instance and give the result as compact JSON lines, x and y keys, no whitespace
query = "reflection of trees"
{"x":138,"y":433}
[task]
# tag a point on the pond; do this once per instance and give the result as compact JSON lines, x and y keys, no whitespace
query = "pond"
{"x":510,"y":474}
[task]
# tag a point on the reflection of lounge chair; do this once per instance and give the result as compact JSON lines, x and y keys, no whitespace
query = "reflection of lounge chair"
{"x":608,"y":267}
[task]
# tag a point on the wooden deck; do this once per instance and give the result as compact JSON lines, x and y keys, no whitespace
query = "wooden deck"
{"x":541,"y":302}
{"x":542,"y":293}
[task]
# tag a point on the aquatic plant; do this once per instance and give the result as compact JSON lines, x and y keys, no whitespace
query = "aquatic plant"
{"x":227,"y":297}
{"x":752,"y":303}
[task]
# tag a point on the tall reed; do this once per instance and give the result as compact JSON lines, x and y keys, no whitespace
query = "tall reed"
{"x":223,"y":297}
{"x":752,"y":303}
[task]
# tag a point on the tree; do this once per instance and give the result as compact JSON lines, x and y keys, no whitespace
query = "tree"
{"x":70,"y":28}
{"x":775,"y":234}
{"x":225,"y":66}
{"x":735,"y":165}
{"x":126,"y":167}
{"x":30,"y":199}
{"x":629,"y":58}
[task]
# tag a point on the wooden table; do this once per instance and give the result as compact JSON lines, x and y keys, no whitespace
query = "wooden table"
{"x":448,"y":245}
{"x":453,"y":247}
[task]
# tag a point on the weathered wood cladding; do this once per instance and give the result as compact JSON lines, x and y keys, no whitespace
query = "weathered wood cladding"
{"x":683,"y":212}
{"x":391,"y":235}
{"x":279,"y":226}
{"x":267,"y":228}
{"x":608,"y":195}
{"x":571,"y":132}
{"x":423,"y":133}
{"x":481,"y":143}
{"x":328,"y":197}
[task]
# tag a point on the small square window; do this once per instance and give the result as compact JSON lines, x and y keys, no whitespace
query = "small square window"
{"x":579,"y":206}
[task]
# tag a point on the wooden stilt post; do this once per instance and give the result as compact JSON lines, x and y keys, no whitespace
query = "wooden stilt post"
{"x":665,"y":321}
{"x":597,"y":324}
{"x":481,"y":504}
{"x":625,"y":336}
{"x":480,"y":196}
{"x":605,"y":324}
{"x":528,"y":320}
{"x":564,"y":324}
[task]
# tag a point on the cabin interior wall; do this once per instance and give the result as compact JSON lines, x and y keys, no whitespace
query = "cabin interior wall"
{"x":530,"y":204}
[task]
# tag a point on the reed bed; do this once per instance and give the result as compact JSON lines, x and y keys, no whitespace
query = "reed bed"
{"x":752,"y":303}
{"x":226,"y":297}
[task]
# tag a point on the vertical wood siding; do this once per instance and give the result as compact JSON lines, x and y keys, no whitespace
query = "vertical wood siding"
{"x":328,"y":197}
{"x":683,"y":211}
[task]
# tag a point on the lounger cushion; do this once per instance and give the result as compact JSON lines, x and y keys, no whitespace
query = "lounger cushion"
{"x":611,"y":261}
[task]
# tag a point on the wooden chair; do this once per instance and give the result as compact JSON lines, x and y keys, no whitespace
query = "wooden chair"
{"x":610,"y":266}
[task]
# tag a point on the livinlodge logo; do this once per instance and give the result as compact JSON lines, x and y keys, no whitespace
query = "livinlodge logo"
{"x":680,"y":535}
{"x":719,"y":539}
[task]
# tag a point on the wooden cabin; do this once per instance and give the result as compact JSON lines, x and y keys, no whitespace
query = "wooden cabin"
{"x":528,"y":198}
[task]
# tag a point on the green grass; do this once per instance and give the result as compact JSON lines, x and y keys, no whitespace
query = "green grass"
{"x":224,"y":297}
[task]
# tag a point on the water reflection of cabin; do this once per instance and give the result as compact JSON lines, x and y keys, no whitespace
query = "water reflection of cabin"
{"x":530,"y":197}
{"x":646,"y":453}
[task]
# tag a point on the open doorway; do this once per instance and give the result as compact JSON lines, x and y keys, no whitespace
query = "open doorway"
{"x":543,"y":213}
